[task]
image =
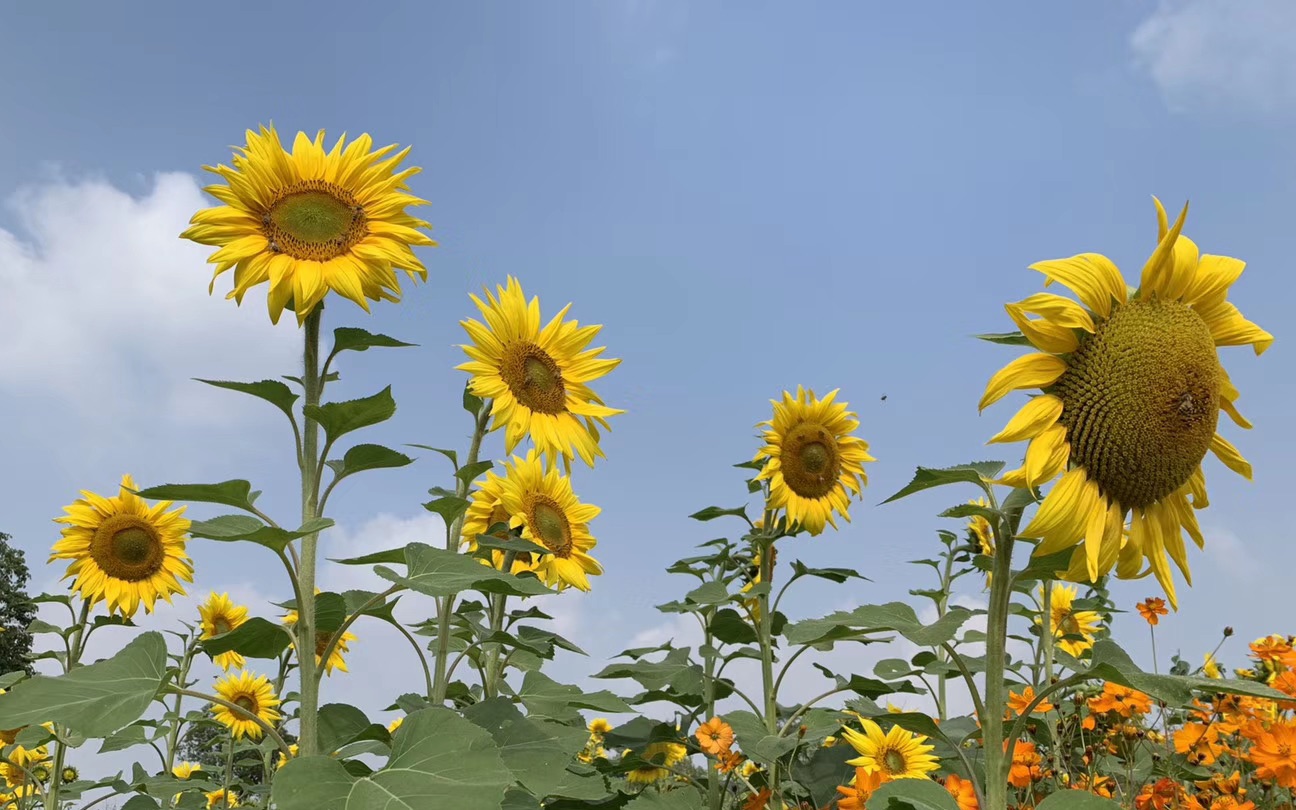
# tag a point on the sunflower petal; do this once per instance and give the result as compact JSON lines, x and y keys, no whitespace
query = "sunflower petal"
{"x":1028,"y":371}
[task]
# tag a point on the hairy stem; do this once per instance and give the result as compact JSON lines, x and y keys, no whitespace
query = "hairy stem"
{"x":992,"y":717}
{"x":310,"y":464}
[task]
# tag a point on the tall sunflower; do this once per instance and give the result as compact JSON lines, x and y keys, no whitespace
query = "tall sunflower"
{"x":312,"y":221}
{"x":813,"y":463}
{"x":1132,"y":388}
{"x":254,"y":694}
{"x":537,"y":377}
{"x":336,"y":659}
{"x":123,"y":551}
{"x":485,"y":510}
{"x":219,"y":616}
{"x":896,"y":754}
{"x":1066,"y":622}
{"x":549,"y":513}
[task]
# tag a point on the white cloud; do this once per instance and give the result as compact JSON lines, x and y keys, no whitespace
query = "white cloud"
{"x":1221,"y":52}
{"x":105,"y":310}
{"x":1230,"y":554}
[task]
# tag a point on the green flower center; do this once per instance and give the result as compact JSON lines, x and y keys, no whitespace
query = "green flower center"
{"x":245,"y":702}
{"x":551,"y":527}
{"x":127,"y":547}
{"x":314,"y":220}
{"x":221,"y":626}
{"x":810,"y":461}
{"x":894,"y":761}
{"x":1141,"y":400}
{"x":534,"y":378}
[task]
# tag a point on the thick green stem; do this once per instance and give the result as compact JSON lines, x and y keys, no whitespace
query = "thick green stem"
{"x":229,"y":768}
{"x":1046,"y":635}
{"x":445,"y":605}
{"x":992,"y":719}
{"x":709,"y":702}
{"x":73,"y":658}
{"x":173,"y":736}
{"x":765,"y":631}
{"x":310,"y":464}
{"x":942,"y":607}
{"x":493,"y":653}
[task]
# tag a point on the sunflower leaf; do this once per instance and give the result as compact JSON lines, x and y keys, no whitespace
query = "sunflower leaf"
{"x":1005,"y":338}
{"x":543,"y":696}
{"x":1076,"y":800}
{"x":393,"y":556}
{"x":449,"y":508}
{"x":330,"y":612}
{"x":339,"y":724}
{"x":469,"y":472}
{"x":437,"y":572}
{"x":349,"y":338}
{"x":713,"y":512}
{"x":231,"y":528}
{"x":341,"y":418}
{"x":471,"y":402}
{"x":450,"y":454}
{"x":94,"y":700}
{"x":490,"y":541}
{"x":536,"y":750}
{"x":893,"y":616}
{"x":276,"y":393}
{"x":978,"y":472}
{"x":367,"y":457}
{"x":914,"y":794}
{"x":255,"y":638}
{"x":234,"y":493}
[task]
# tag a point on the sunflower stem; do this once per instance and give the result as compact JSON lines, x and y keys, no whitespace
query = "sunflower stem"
{"x":992,"y":718}
{"x":74,"y":657}
{"x":229,"y":767}
{"x":445,"y":605}
{"x":309,"y":701}
{"x":494,"y":653}
{"x":766,"y":632}
{"x":173,"y":736}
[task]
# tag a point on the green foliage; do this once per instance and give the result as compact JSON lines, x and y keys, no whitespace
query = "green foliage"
{"x":255,"y":638}
{"x":977,"y":472}
{"x":437,"y":572}
{"x":236,"y":493}
{"x":912,"y":794}
{"x":231,"y":528}
{"x":272,"y":391}
{"x":867,"y":619}
{"x":17,"y":611}
{"x":340,"y":418}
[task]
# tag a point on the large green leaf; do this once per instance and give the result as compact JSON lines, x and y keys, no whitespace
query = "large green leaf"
{"x":537,"y":751}
{"x":236,"y":493}
{"x":544,"y":696}
{"x":340,"y":418}
{"x":675,"y":672}
{"x":912,"y":794}
{"x":1076,"y":800}
{"x":368,"y":457}
{"x":255,"y":638}
{"x":438,"y":759}
{"x":339,"y":724}
{"x":893,"y":616}
{"x":713,"y":512}
{"x":978,"y":472}
{"x":272,"y":391}
{"x":231,"y":528}
{"x":95,"y":700}
{"x":437,"y":572}
{"x":1109,"y":662}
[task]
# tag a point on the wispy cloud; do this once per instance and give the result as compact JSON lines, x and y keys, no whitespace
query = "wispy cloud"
{"x":1221,"y":53}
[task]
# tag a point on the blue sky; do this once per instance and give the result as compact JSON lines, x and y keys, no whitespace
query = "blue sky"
{"x":749,"y":196}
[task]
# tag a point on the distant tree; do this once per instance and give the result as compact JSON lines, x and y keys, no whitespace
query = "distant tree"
{"x":16,"y":609}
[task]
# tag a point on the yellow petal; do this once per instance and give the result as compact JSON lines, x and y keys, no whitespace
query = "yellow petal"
{"x":1036,"y":415}
{"x":1058,"y":512}
{"x":1058,"y":310}
{"x":1229,"y":454}
{"x":1210,"y":285}
{"x":1160,"y":265}
{"x":1029,"y":371}
{"x":1046,"y":455}
{"x":1095,"y":280}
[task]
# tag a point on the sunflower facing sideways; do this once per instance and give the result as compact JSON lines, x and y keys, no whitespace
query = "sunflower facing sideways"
{"x":252,"y":693}
{"x":123,"y":551}
{"x":310,"y":221}
{"x":220,"y":616}
{"x":813,"y":463}
{"x":485,"y":510}
{"x":336,"y":659}
{"x":536,"y":378}
{"x":551,"y":515}
{"x":1132,"y":388}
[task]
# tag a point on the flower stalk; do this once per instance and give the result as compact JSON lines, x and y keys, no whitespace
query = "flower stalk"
{"x":312,"y":384}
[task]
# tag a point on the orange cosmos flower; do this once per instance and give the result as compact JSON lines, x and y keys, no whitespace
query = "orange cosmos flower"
{"x":1025,"y":765}
{"x":963,"y":791}
{"x":1199,"y":742}
{"x":854,"y":795}
{"x":1120,"y":699}
{"x":1151,"y":608}
{"x":715,"y":736}
{"x":1274,"y":753}
{"x":726,"y":761}
{"x":1018,"y":703}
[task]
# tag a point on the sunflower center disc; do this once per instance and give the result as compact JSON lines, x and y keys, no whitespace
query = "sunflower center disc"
{"x":1141,"y":400}
{"x":551,"y":525}
{"x":314,"y":220}
{"x":221,"y":626}
{"x":245,"y":702}
{"x":811,"y":465}
{"x":894,"y":761}
{"x":127,"y":548}
{"x":1069,"y":626}
{"x":534,"y":378}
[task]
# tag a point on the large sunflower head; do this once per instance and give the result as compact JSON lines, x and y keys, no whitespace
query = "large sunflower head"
{"x":485,"y":510}
{"x":550,"y":515}
{"x":896,"y":754}
{"x":537,"y":377}
{"x":219,"y":616}
{"x":336,"y":659}
{"x":1131,"y":388}
{"x":311,"y":221}
{"x":123,"y":551}
{"x":812,"y":462}
{"x":252,"y":693}
{"x":1066,"y":623}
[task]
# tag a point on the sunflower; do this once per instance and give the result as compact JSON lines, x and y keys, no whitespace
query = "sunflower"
{"x":293,"y":752}
{"x":123,"y":551}
{"x":20,"y":761}
{"x":69,"y":774}
{"x":220,"y":616}
{"x":486,"y":510}
{"x":1073,"y":629}
{"x":310,"y":221}
{"x":663,"y":756}
{"x":897,"y":754}
{"x":551,"y":515}
{"x":184,"y":770}
{"x":1132,"y":388}
{"x":813,"y":463}
{"x":395,"y":724}
{"x":252,"y":693}
{"x":222,"y":797}
{"x":599,"y":726}
{"x":537,"y":378}
{"x":336,"y":659}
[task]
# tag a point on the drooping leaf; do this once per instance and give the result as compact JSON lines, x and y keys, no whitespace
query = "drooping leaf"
{"x":272,"y":391}
{"x":231,"y":528}
{"x":893,"y":616}
{"x":340,"y":418}
{"x":338,"y":725}
{"x":1109,"y":662}
{"x":729,"y":626}
{"x":978,"y":472}
{"x":675,"y":672}
{"x":543,"y":696}
{"x":255,"y":638}
{"x":438,"y":759}
{"x":537,"y":751}
{"x":449,"y":507}
{"x":838,"y":575}
{"x":450,"y":454}
{"x":330,"y":612}
{"x":94,"y":700}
